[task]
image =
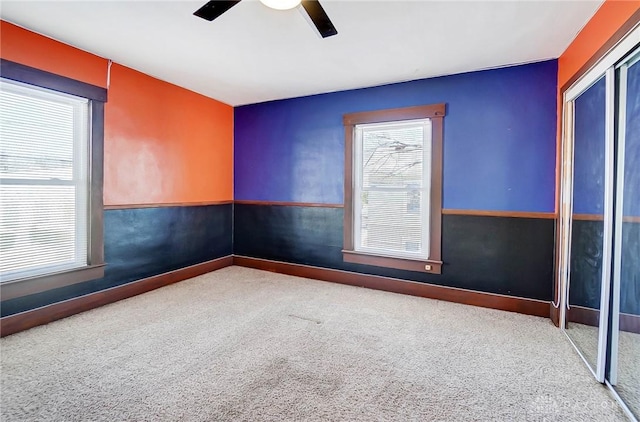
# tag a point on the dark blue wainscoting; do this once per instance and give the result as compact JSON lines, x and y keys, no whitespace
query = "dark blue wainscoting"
{"x":144,"y":242}
{"x":630,"y":274}
{"x":586,"y":263}
{"x":511,"y":256}
{"x":586,"y":267}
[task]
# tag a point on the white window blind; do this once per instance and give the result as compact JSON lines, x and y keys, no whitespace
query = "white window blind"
{"x":392,"y":175}
{"x":43,"y":181}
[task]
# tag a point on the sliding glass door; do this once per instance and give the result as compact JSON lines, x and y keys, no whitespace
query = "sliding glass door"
{"x":588,"y":262}
{"x":624,"y":371}
{"x":599,"y":226}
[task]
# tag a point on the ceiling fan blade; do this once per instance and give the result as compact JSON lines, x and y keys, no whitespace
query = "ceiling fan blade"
{"x":319,"y":18}
{"x":213,"y":9}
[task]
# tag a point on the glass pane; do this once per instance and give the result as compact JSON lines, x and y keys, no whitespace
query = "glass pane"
{"x":628,"y":374}
{"x":587,"y":226}
{"x":393,"y":156}
{"x":393,"y":188}
{"x":391,"y":221}
{"x":36,"y":135}
{"x":38,"y":226}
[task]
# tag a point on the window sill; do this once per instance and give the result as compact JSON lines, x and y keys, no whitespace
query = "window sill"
{"x":419,"y":265}
{"x":38,"y":284}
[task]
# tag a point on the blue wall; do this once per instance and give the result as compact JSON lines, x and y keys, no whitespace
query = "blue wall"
{"x":589,"y":149}
{"x":632,"y":145}
{"x":499,"y":139}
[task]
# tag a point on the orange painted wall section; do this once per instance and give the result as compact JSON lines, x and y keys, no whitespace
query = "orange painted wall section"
{"x":31,"y":49}
{"x":165,"y":144}
{"x":607,"y":20}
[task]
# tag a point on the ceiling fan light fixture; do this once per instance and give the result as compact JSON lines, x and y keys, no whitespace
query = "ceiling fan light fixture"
{"x":281,"y":4}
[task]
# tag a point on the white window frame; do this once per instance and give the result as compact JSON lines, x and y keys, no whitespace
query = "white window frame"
{"x":425,"y":189}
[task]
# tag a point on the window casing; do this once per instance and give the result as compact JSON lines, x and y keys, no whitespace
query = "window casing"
{"x":51,"y":133}
{"x":393,"y":188}
{"x":43,"y":181}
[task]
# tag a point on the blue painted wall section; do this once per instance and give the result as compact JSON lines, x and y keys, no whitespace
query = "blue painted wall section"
{"x":586,"y":263}
{"x":145,"y":242}
{"x":632,"y":145}
{"x":630,"y":274}
{"x":589,"y":148}
{"x":499,"y":139}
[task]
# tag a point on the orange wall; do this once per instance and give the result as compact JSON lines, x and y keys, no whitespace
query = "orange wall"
{"x":31,"y":49}
{"x":163,"y":144}
{"x":607,"y":20}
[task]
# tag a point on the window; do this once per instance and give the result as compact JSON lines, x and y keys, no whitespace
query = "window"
{"x":50,"y":163}
{"x":393,"y":188}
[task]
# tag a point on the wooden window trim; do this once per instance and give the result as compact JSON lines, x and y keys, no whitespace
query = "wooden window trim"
{"x":436,"y":113}
{"x":97,"y":96}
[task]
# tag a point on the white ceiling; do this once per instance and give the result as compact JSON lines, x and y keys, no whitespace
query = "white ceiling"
{"x":252,"y":54}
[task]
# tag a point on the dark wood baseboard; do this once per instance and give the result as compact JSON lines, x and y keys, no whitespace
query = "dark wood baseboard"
{"x":589,"y":316}
{"x":23,"y":321}
{"x":431,"y":291}
{"x":630,"y":323}
{"x":582,"y":315}
{"x":40,"y":316}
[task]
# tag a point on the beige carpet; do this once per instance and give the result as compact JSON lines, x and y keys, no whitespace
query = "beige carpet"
{"x":246,"y":345}
{"x":628,"y":387}
{"x":585,"y":337}
{"x":629,"y":370}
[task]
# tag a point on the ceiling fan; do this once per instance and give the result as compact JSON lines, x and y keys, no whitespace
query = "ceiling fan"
{"x":318,"y":17}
